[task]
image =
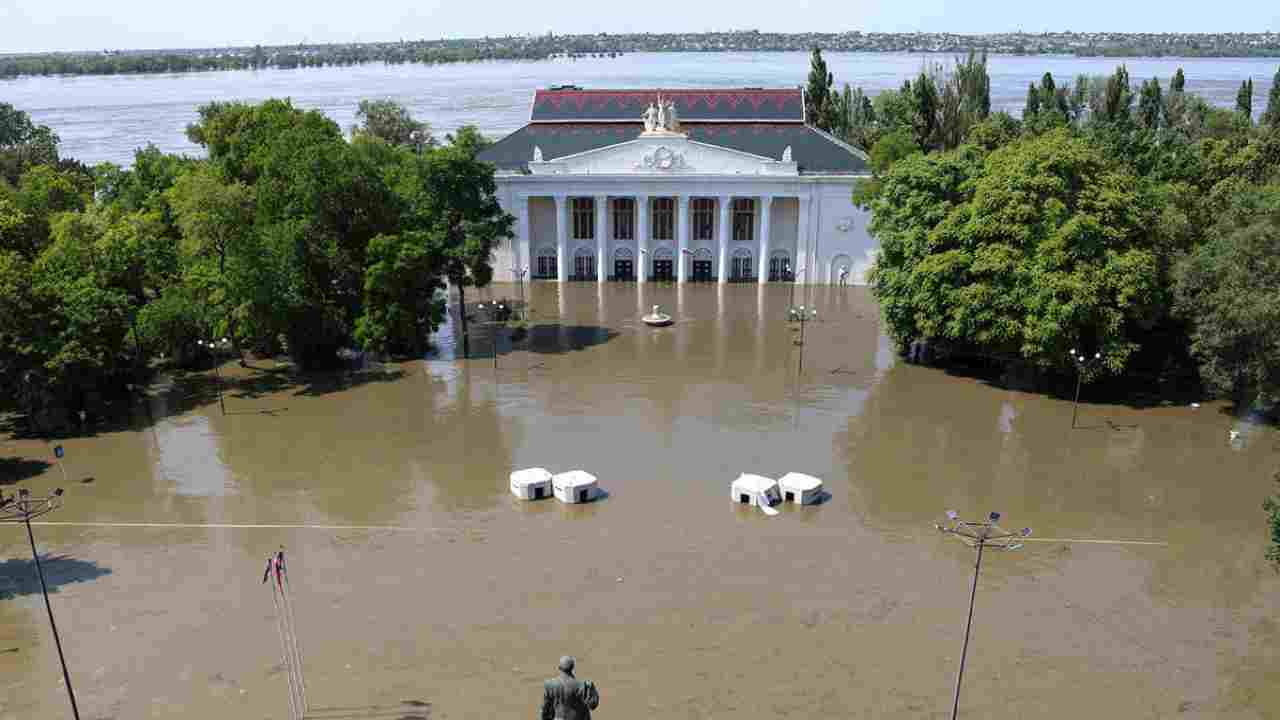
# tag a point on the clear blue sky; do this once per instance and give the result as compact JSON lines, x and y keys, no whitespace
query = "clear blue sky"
{"x":39,"y":25}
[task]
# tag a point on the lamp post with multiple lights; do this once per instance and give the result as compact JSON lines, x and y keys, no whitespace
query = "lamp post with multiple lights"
{"x":23,"y":508}
{"x":1082,"y":364}
{"x":978,"y":535}
{"x":499,"y":312}
{"x":217,"y":371}
{"x":801,"y":314}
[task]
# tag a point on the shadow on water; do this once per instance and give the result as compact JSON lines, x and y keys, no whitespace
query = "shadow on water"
{"x":18,"y":577}
{"x":545,"y":339}
{"x":16,"y":469}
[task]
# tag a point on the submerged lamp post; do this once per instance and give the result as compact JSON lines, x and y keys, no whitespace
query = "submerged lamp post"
{"x":801,"y":314}
{"x":520,"y":273}
{"x":1082,"y":364}
{"x":498,"y":312}
{"x":217,"y":371}
{"x":22,"y":508}
{"x":978,"y":535}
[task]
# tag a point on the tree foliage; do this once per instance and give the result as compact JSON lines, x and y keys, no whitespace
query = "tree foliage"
{"x":1229,"y":288}
{"x":818,"y":98}
{"x":1042,"y":246}
{"x":391,"y":122}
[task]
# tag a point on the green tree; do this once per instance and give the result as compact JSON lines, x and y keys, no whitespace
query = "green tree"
{"x":1229,"y":288}
{"x":1043,"y":245}
{"x":1032,"y":107}
{"x":1150,"y":105}
{"x":23,"y":144}
{"x":1244,"y":99}
{"x":219,"y":245}
{"x":974,"y":85}
{"x":818,"y":93}
{"x":924,"y":110}
{"x":456,"y":209}
{"x":1271,"y":116}
{"x":1178,"y":83}
{"x":391,"y":122}
{"x":1118,"y":97}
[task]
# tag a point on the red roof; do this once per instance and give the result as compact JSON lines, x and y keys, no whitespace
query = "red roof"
{"x":718,"y":105}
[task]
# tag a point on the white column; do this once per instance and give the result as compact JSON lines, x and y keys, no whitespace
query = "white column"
{"x":722,"y":268}
{"x":602,"y":232}
{"x":562,"y":238}
{"x":802,"y":243}
{"x":642,"y":238}
{"x":682,"y":207}
{"x":766,"y":204}
{"x":520,"y":250}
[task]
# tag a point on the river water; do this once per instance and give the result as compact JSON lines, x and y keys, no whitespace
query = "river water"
{"x":105,"y":118}
{"x":676,"y":602}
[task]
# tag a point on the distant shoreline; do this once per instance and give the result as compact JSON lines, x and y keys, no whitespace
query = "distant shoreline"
{"x":548,"y":47}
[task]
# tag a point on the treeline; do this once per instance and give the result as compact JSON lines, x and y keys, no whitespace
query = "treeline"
{"x":295,"y":57}
{"x":1129,"y":223}
{"x":287,"y":238}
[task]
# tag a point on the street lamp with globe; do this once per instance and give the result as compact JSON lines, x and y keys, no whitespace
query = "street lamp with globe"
{"x":1082,"y":364}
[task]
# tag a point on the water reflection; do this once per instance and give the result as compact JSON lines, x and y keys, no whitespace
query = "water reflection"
{"x":670,"y":577}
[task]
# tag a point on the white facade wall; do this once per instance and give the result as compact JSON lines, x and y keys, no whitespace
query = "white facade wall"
{"x":833,"y":232}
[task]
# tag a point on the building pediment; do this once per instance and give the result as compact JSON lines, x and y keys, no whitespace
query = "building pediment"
{"x":663,"y":153}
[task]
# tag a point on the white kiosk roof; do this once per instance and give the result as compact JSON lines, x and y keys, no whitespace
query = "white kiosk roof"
{"x":754,"y":483}
{"x":530,"y":476}
{"x":799,"y":481}
{"x":574,"y":478}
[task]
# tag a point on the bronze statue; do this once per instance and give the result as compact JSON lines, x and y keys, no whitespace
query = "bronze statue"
{"x":568,"y":698}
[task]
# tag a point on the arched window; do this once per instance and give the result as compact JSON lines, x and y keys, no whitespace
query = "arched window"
{"x":841,"y":270}
{"x":545,"y":264}
{"x":780,"y":266}
{"x":584,"y":263}
{"x":741,"y":267}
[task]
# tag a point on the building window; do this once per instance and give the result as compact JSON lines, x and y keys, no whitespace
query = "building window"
{"x":624,"y":218}
{"x":584,"y":218}
{"x":704,"y":212}
{"x":546,"y":265}
{"x":663,"y":215}
{"x":744,"y":219}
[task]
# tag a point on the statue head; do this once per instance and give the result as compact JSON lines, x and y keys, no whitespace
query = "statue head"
{"x":566,"y":664}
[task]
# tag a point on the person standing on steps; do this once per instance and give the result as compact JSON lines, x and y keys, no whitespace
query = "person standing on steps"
{"x":568,"y":698}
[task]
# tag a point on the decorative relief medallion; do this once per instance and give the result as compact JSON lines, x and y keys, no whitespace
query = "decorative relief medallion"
{"x":662,"y":159}
{"x":844,"y":224}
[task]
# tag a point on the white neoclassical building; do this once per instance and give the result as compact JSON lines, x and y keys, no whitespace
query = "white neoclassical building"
{"x":683,"y":185}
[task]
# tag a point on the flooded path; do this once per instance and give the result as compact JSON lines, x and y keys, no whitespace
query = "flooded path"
{"x":676,"y":602}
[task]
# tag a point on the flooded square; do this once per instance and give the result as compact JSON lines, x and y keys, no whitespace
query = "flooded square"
{"x":417,"y":576}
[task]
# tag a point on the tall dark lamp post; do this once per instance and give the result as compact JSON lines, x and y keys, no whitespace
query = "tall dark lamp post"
{"x":22,"y":508}
{"x":217,"y":371}
{"x":978,"y":535}
{"x":1082,"y":364}
{"x":795,"y":277}
{"x":520,"y":273}
{"x":499,"y":312}
{"x":802,"y":315}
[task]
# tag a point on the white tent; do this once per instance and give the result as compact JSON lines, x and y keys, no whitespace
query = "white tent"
{"x":800,"y":488}
{"x":575,"y":486}
{"x":531,"y":484}
{"x":755,"y":490}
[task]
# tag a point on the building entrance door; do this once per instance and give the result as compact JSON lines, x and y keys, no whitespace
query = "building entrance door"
{"x":663,"y":270}
{"x":702,"y":271}
{"x":622,"y":270}
{"x":584,"y":267}
{"x":741,"y":269}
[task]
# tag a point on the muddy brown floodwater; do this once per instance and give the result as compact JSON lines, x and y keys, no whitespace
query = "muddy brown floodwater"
{"x":677,"y":603}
